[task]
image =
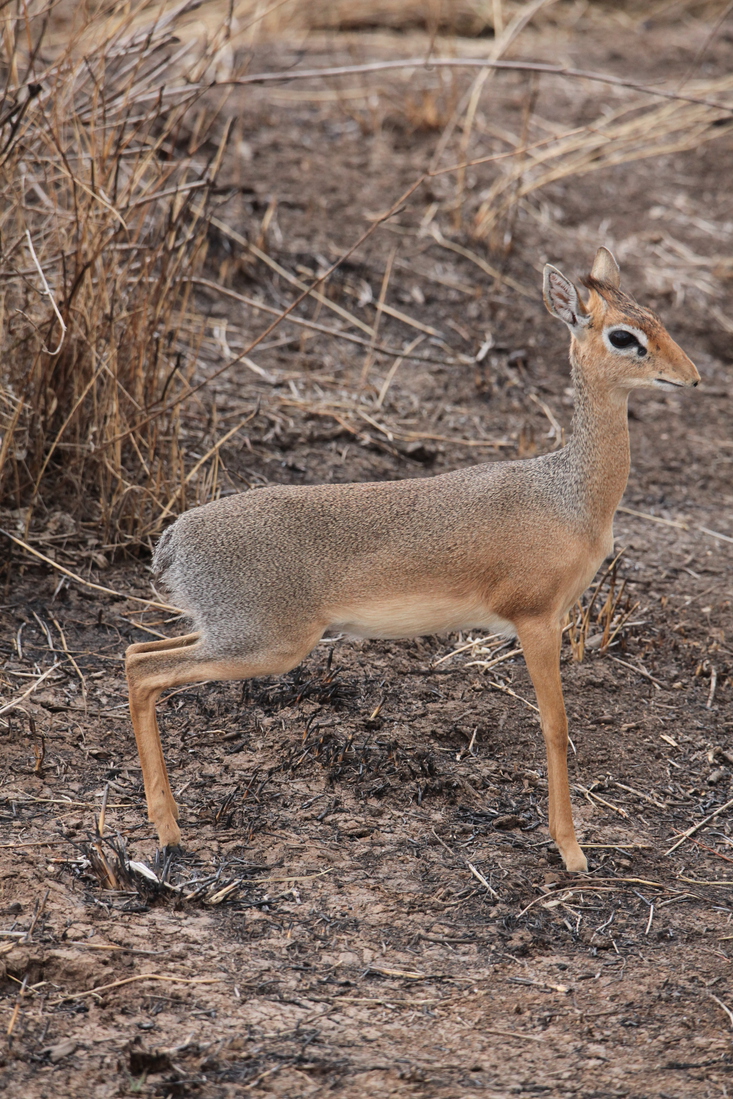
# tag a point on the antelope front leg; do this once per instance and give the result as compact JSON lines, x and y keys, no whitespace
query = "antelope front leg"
{"x":541,"y":645}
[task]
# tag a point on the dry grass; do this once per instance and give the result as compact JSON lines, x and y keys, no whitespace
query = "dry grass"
{"x":631,"y":132}
{"x":602,"y":616}
{"x":104,"y":199}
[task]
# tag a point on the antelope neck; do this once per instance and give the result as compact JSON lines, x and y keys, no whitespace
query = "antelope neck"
{"x":599,"y":447}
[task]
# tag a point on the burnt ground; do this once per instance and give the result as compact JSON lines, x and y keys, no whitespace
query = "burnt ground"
{"x":368,"y":902}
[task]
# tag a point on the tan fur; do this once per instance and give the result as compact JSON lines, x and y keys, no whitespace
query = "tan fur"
{"x":504,"y":546}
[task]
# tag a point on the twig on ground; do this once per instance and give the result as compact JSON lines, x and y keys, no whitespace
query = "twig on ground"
{"x":394,"y":368}
{"x":73,"y":662}
{"x":369,"y":357}
{"x":508,"y":691}
{"x":479,"y":877}
{"x":492,"y":272}
{"x":486,"y":664}
{"x":87,"y":583}
{"x":262,"y":1076}
{"x":556,"y":432}
{"x":389,"y":1001}
{"x":16,"y":1009}
{"x":36,"y":843}
{"x":681,"y":524}
{"x":725,"y":1008}
{"x":713,"y":685}
{"x":640,"y":671}
{"x":588,"y":794}
{"x":701,"y":824}
{"x":294,"y":281}
{"x":716,"y":534}
{"x":637,"y":793}
{"x":712,"y":850}
{"x":519,"y":1037}
{"x":314,"y":326}
{"x":131,"y":980}
{"x":653,"y":518}
{"x":470,"y":645}
{"x":442,"y":843}
{"x":33,"y":687}
{"x":727,"y":882}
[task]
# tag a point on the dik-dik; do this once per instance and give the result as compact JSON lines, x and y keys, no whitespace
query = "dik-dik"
{"x":506,"y":547}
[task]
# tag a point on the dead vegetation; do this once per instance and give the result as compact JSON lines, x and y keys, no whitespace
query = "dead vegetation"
{"x":105,"y":190}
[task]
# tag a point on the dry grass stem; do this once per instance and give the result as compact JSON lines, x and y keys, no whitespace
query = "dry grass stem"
{"x":628,"y":134}
{"x":486,"y":664}
{"x":369,"y":358}
{"x":481,"y":263}
{"x":538,"y":67}
{"x":480,"y":878}
{"x":314,"y":326}
{"x":653,"y":518}
{"x":610,"y":619}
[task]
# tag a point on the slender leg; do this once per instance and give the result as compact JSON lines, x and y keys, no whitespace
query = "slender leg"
{"x":155,"y":666}
{"x":162,"y":808}
{"x":541,"y":644}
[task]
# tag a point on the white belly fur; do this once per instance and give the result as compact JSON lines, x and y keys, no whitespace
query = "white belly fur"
{"x":415,"y":616}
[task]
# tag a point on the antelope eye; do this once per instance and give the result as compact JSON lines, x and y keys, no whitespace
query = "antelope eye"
{"x":622,"y":339}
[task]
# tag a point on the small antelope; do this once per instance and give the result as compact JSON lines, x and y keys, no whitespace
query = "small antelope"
{"x":506,"y":547}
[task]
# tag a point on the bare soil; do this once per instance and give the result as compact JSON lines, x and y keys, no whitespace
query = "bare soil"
{"x":368,"y":902}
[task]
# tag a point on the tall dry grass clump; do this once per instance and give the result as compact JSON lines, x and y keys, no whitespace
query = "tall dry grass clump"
{"x":104,"y":193}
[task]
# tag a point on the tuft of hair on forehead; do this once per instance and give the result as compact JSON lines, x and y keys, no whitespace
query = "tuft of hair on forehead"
{"x":644,"y":318}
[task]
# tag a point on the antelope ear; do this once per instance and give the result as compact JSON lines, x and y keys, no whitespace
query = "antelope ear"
{"x":605,"y":268}
{"x":563,"y":300}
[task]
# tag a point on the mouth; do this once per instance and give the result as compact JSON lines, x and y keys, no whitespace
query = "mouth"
{"x":664,"y":383}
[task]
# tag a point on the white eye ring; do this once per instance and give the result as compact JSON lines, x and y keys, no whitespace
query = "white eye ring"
{"x":639,"y":337}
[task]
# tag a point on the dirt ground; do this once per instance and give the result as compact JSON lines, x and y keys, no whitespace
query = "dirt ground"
{"x":367,"y":902}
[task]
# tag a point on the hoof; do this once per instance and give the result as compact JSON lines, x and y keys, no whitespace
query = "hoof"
{"x":575,"y":861}
{"x":169,"y":834}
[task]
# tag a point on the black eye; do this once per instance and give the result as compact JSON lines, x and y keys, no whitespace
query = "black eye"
{"x":622,"y":339}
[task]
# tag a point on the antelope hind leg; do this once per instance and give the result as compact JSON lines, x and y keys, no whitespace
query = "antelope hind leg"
{"x":155,"y":666}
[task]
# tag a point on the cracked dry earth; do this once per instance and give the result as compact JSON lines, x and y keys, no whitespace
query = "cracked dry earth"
{"x":367,"y":902}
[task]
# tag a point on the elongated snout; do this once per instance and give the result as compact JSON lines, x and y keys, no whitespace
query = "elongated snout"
{"x":677,"y":368}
